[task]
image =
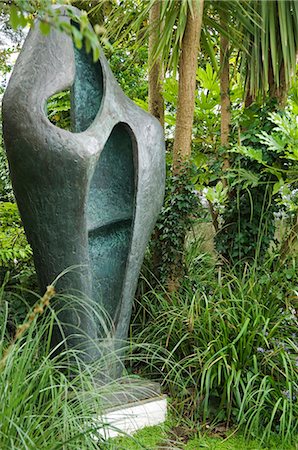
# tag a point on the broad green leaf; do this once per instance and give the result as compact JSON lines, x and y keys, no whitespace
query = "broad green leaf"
{"x":245,"y":178}
{"x":277,"y":186}
{"x":14,"y":17}
{"x":45,"y":27}
{"x":255,"y":154}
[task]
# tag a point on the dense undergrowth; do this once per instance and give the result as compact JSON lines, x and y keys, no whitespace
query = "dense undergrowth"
{"x":227,"y":345}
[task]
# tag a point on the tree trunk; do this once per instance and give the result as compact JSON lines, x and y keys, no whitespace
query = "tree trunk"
{"x":188,"y":64}
{"x":155,"y":96}
{"x":224,"y":94}
{"x":280,"y":93}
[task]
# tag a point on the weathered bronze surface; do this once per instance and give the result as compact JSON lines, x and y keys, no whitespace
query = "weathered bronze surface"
{"x":88,"y":198}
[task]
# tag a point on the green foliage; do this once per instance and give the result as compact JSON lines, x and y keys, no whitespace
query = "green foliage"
{"x":249,"y":226}
{"x":130,"y":69}
{"x":227,"y":346}
{"x":14,"y":247}
{"x":131,"y":22}
{"x":58,"y":107}
{"x":147,"y":438}
{"x":6,"y":193}
{"x":282,"y":141}
{"x":175,"y":219}
{"x":217,"y":195}
{"x":25,"y":13}
{"x":264,"y":182}
{"x":270,"y":47}
{"x":16,"y":263}
{"x":248,"y":223}
{"x":235,"y":442}
{"x":5,"y":64}
{"x":155,"y":438}
{"x":128,"y":21}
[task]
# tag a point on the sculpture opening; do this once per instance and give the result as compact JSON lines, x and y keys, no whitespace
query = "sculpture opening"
{"x":86,"y":92}
{"x":110,"y":217}
{"x":58,"y":109}
{"x":75,"y":108}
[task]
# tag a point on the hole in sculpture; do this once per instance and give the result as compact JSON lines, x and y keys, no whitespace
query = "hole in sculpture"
{"x":75,"y":109}
{"x":58,"y":109}
{"x":110,"y":217}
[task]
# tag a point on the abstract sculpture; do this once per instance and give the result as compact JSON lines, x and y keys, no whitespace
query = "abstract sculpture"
{"x":88,"y":198}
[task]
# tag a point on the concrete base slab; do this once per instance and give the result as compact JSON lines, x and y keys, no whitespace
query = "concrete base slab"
{"x":132,"y":417}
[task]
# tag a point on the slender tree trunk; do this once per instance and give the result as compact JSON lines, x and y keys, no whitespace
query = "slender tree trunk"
{"x":225,"y":93}
{"x":188,"y":64}
{"x":155,"y":96}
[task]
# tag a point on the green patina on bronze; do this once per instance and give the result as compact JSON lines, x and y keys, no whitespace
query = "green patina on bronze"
{"x":86,"y":91}
{"x":111,"y":196}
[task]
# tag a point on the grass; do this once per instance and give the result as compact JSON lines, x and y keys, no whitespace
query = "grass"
{"x":149,"y":437}
{"x":161,"y":438}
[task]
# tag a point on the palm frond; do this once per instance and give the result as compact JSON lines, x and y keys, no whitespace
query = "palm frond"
{"x":270,"y":57}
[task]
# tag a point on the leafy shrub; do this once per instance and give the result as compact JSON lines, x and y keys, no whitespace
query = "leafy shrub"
{"x":14,"y":247}
{"x":15,"y":252}
{"x":265,"y":182}
{"x":6,"y":193}
{"x":248,"y":220}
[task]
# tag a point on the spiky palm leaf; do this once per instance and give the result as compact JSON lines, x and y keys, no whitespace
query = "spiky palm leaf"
{"x":269,"y":59}
{"x":129,"y":20}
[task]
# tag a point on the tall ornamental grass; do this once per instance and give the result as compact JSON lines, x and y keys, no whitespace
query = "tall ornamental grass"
{"x":49,"y":399}
{"x":227,"y":346}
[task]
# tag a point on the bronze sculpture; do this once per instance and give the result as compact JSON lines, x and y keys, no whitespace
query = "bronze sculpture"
{"x":89,"y":197}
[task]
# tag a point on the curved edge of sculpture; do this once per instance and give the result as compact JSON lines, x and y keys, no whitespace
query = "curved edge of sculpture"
{"x":89,"y":198}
